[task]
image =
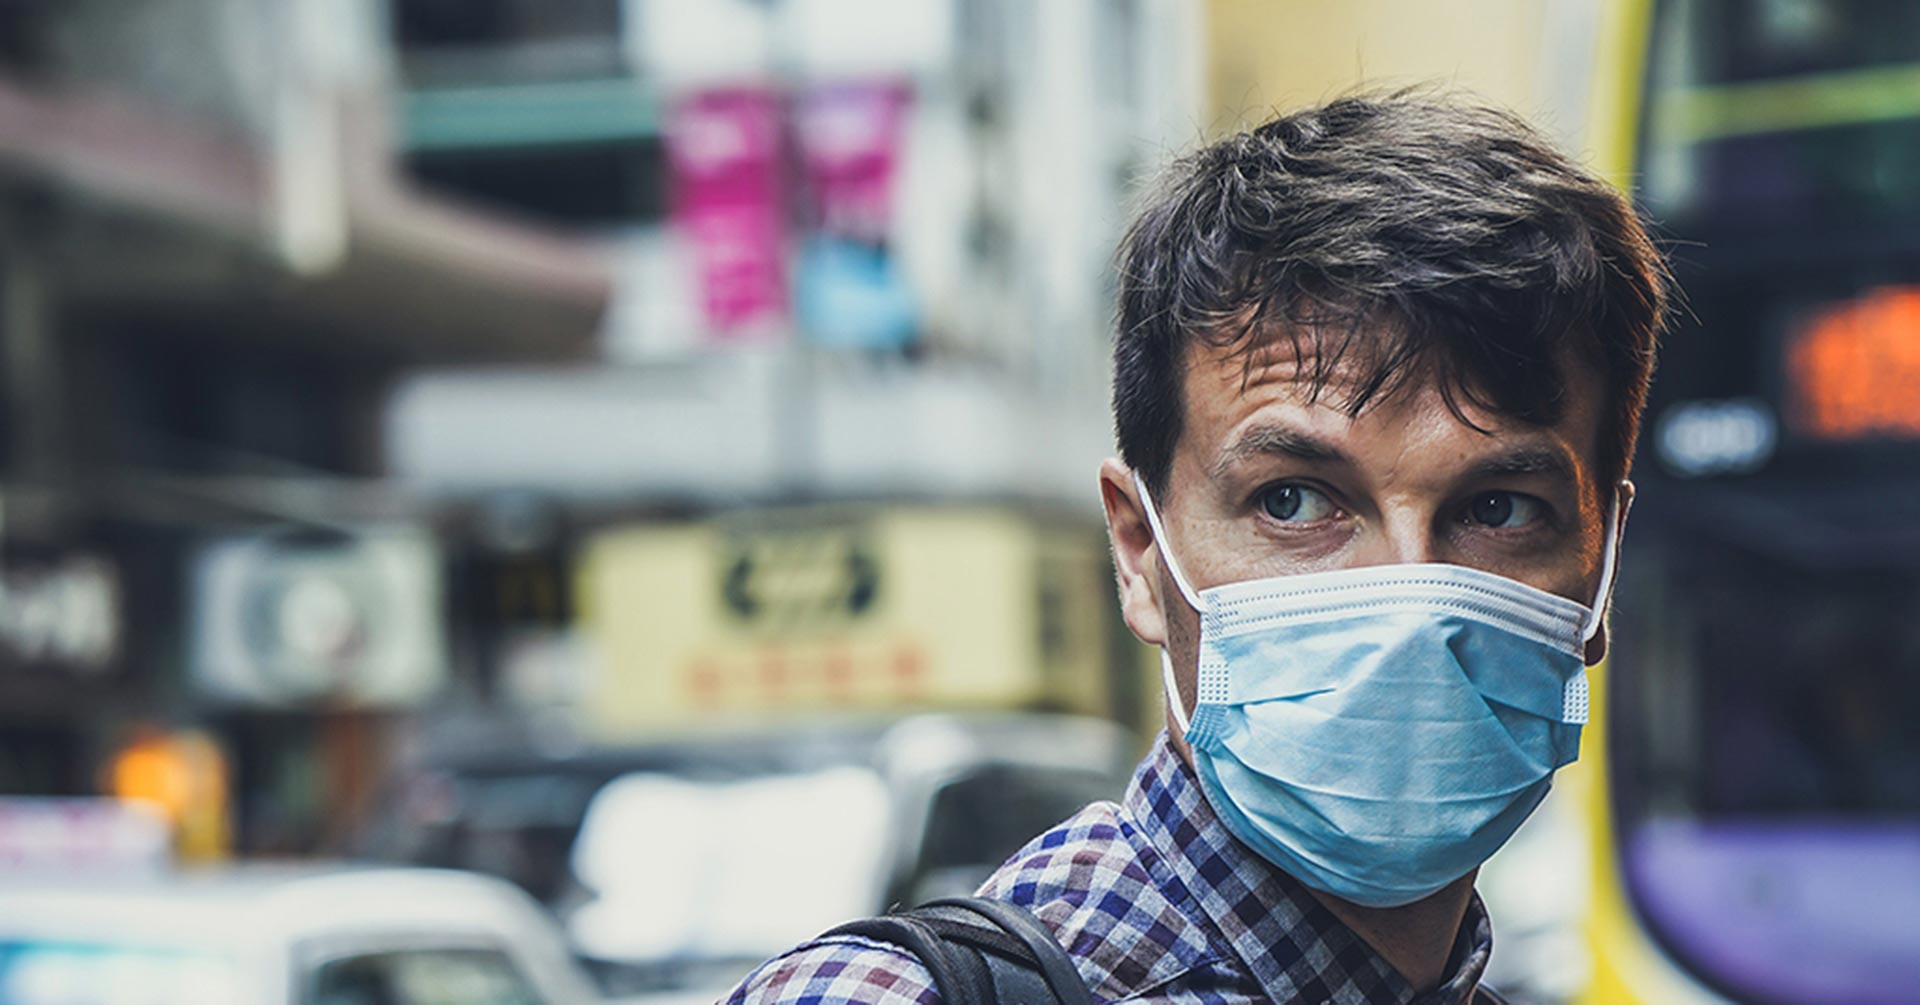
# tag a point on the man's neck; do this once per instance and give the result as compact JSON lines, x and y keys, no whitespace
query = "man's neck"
{"x":1418,"y":939}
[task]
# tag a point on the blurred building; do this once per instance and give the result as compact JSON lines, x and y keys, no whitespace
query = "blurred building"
{"x":338,"y":334}
{"x":213,"y":269}
{"x":1550,"y":60}
{"x":862,"y":247}
{"x":862,"y":258}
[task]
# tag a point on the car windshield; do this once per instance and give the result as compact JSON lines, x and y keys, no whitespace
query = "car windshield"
{"x":680,"y":869}
{"x":50,"y":972}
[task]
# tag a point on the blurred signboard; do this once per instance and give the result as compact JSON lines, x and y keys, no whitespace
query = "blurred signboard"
{"x":844,"y":610}
{"x":63,"y":615}
{"x":346,"y":620}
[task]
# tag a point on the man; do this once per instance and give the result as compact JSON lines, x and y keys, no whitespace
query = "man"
{"x":1379,"y":371}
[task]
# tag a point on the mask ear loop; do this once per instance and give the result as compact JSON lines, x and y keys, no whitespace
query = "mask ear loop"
{"x":1173,"y":691}
{"x":1160,"y":538}
{"x":1186,"y":591}
{"x":1609,"y":563}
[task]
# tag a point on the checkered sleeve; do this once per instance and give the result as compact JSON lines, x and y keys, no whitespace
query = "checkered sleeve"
{"x":841,"y":970}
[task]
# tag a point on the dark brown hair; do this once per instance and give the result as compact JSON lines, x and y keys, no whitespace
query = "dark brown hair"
{"x":1428,"y":237}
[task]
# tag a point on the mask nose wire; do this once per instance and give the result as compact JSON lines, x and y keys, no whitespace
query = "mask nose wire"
{"x":1160,"y":538}
{"x":1609,"y":562}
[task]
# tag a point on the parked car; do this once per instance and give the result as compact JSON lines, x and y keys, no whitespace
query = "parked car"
{"x":257,"y":935}
{"x":675,"y":866}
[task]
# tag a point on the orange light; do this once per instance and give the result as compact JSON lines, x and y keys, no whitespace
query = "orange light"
{"x":151,"y":771}
{"x":183,"y":776}
{"x":1856,"y":368}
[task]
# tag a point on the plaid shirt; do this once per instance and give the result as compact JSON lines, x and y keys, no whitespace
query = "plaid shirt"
{"x":1156,"y":902}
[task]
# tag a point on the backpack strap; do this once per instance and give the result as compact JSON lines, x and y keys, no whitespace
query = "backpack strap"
{"x":1068,"y":987}
{"x":981,"y":952}
{"x":961,"y":977}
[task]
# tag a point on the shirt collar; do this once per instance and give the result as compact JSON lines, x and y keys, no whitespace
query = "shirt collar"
{"x":1294,"y":947}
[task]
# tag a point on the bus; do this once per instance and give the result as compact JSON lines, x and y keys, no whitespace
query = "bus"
{"x":1750,"y":795}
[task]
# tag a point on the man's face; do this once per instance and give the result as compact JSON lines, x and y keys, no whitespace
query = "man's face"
{"x":1268,"y":482}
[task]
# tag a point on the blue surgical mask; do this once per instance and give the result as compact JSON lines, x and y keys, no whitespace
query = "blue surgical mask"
{"x":1380,"y":732}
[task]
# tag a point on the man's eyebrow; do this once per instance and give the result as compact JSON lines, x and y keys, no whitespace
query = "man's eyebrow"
{"x":1526,"y":461}
{"x":1270,"y":440}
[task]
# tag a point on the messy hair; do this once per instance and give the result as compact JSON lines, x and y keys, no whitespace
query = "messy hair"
{"x":1417,"y":237}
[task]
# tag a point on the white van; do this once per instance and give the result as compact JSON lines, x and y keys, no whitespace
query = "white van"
{"x":296,"y":935}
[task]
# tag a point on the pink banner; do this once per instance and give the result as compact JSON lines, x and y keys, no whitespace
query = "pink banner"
{"x":850,"y":137}
{"x":724,"y":146}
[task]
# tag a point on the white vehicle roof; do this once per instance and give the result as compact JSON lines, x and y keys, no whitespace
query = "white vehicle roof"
{"x":244,"y":904}
{"x":272,"y":925}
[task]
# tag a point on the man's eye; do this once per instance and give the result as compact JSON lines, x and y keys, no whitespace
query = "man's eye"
{"x":1296,"y":504}
{"x":1504,"y":510}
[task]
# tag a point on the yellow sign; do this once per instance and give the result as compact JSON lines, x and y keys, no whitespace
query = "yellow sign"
{"x":845,"y":610}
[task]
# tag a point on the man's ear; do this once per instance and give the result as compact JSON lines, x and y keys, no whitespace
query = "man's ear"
{"x":1136,"y":557}
{"x":1597,"y":646}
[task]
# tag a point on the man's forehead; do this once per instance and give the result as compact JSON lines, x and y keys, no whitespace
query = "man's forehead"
{"x":1316,"y":386}
{"x":1298,"y":371}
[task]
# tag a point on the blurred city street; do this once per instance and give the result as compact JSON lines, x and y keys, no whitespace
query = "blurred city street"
{"x":468,"y":465}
